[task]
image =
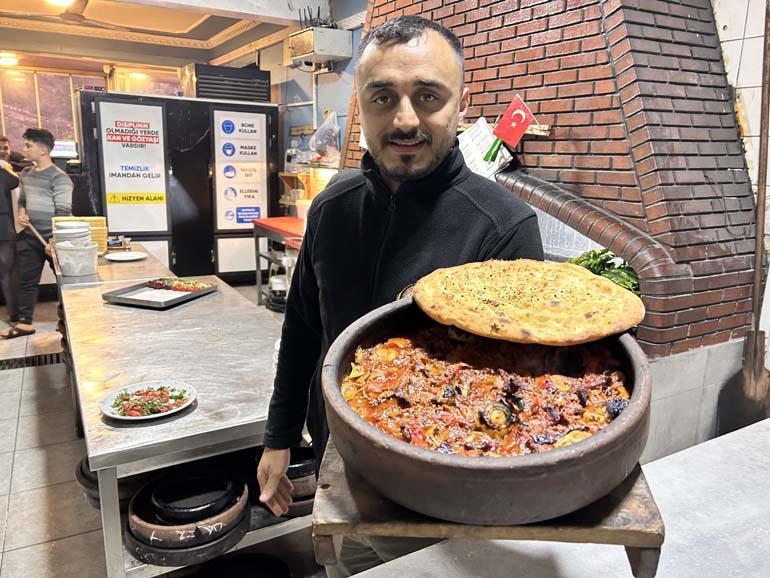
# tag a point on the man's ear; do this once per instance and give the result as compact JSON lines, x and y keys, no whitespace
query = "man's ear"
{"x":465,"y":101}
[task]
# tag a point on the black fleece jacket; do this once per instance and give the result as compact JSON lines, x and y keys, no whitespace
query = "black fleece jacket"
{"x":363,"y":245}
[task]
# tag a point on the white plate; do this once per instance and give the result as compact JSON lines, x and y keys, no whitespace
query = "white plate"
{"x":126,"y":256}
{"x":106,"y":403}
{"x":71,"y":225}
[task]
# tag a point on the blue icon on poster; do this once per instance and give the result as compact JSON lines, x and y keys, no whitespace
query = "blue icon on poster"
{"x":229,"y":215}
{"x":228,"y":149}
{"x":230,"y":193}
{"x":228,"y":127}
{"x":229,"y":171}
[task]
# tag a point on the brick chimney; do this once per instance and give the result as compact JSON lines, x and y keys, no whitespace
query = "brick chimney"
{"x":644,"y":155}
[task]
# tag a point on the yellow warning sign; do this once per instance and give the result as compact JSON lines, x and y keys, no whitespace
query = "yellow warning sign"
{"x":136,"y":198}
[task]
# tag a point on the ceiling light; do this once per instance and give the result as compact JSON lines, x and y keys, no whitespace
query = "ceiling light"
{"x":60,"y":3}
{"x":8,"y":59}
{"x":138,"y":75}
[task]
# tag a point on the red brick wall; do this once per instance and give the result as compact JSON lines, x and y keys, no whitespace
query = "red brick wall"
{"x":643,"y":130}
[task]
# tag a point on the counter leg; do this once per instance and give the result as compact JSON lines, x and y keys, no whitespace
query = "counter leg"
{"x":111,"y":525}
{"x":259,"y":269}
{"x":325,"y":553}
{"x":644,"y":561}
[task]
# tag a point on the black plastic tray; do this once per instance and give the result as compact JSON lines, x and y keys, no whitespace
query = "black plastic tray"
{"x":120,"y":297}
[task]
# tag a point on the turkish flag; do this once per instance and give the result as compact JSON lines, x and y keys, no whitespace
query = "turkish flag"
{"x":514,"y":122}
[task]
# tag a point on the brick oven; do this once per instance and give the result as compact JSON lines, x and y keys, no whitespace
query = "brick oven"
{"x":644,"y":157}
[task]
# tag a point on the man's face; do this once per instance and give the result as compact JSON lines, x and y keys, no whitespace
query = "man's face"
{"x":34,"y":151}
{"x":411,"y":97}
{"x":5,"y":150}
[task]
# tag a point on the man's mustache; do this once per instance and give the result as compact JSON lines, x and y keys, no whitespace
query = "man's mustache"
{"x":416,"y":135}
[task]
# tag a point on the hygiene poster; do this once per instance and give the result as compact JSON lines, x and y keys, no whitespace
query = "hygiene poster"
{"x":134,"y":167}
{"x":240,"y":160}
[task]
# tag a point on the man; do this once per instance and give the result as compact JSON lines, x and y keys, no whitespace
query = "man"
{"x":46,"y":192}
{"x":8,"y":271}
{"x":413,"y":208}
{"x":16,"y":160}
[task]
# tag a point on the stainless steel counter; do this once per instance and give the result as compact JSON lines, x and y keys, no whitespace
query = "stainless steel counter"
{"x":107,"y":271}
{"x":221,"y":343}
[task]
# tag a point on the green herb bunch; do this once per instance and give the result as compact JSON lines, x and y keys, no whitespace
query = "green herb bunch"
{"x":604,"y":262}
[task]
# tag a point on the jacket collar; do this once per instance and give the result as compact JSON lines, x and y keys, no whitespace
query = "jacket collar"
{"x":450,"y":172}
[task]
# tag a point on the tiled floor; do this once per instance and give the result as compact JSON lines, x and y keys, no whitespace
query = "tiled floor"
{"x":47,"y":530}
{"x":45,"y":340}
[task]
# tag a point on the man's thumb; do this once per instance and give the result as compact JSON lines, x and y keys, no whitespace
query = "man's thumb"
{"x":270,"y":487}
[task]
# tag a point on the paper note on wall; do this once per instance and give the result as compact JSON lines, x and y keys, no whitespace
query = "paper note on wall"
{"x":475,"y":142}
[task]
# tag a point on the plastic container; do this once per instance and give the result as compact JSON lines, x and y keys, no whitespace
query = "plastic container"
{"x":303,"y":205}
{"x":77,"y":259}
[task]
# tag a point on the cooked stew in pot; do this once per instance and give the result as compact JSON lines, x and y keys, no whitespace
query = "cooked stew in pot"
{"x":449,"y":391}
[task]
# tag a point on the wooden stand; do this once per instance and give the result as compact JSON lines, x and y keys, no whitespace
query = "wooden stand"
{"x":346,"y":504}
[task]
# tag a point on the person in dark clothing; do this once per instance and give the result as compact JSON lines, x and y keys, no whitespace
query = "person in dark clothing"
{"x":17,"y":160}
{"x":8,"y":272}
{"x":412,"y":208}
{"x":46,"y":192}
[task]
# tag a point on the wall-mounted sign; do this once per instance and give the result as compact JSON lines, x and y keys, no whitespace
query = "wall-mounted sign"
{"x":134,"y":167}
{"x":240,"y":168}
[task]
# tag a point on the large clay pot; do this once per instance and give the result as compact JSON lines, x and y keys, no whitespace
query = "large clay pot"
{"x":485,"y":490}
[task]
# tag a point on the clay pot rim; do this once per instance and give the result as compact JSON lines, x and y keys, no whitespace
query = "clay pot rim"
{"x":584,"y":451}
{"x":240,"y":504}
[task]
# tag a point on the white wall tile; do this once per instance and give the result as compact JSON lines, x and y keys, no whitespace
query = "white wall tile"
{"x":755,"y":22}
{"x":750,"y":73}
{"x":731,"y":51}
{"x":752,"y":159}
{"x":731,"y":18}
{"x":677,"y":373}
{"x":707,"y":418}
{"x":673,"y":424}
{"x":749,"y":103}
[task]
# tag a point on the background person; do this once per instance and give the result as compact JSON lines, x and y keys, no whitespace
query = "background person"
{"x":9,"y":280}
{"x":46,"y":192}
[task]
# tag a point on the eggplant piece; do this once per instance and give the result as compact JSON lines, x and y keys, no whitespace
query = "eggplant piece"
{"x":496,"y":415}
{"x":545,"y":439}
{"x":615,"y":406}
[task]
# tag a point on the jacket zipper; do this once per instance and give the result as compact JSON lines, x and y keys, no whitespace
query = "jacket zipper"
{"x":391,"y":209}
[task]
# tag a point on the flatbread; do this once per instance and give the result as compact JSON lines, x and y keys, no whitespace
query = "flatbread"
{"x":528,"y":301}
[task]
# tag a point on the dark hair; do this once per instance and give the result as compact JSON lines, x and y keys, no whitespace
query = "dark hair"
{"x":404,"y":28}
{"x":39,"y":136}
{"x":4,"y":138}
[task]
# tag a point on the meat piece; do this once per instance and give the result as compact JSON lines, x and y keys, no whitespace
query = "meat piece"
{"x":553,"y":414}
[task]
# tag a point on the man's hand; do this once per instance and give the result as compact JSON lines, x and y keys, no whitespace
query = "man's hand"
{"x":275,"y":487}
{"x":23,"y":220}
{"x":48,"y":249}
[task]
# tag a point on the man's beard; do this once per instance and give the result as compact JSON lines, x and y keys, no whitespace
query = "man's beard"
{"x":404,"y":172}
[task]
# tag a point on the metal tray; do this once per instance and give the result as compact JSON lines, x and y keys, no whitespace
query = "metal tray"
{"x":123,"y":296}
